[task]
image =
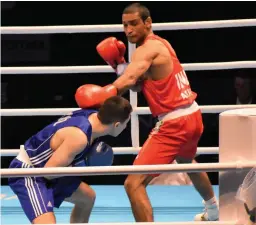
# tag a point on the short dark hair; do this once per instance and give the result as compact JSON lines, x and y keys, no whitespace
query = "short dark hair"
{"x":114,"y":109}
{"x":137,"y":7}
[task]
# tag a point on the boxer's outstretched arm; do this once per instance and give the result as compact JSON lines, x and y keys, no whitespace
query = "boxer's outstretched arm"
{"x":140,"y":63}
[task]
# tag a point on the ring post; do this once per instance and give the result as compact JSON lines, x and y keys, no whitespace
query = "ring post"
{"x":237,"y":142}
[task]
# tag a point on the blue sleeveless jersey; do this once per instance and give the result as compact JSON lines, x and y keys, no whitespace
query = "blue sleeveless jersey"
{"x":38,"y":146}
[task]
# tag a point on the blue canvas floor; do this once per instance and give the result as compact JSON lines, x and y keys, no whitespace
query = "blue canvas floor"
{"x":170,"y":204}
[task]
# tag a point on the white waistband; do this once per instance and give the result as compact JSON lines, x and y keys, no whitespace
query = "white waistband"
{"x":23,"y":156}
{"x":179,"y":112}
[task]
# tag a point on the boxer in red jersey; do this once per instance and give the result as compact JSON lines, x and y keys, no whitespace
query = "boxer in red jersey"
{"x":156,"y":70}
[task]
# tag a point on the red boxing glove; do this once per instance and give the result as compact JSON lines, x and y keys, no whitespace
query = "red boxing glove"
{"x":93,"y":96}
{"x":112,"y":51}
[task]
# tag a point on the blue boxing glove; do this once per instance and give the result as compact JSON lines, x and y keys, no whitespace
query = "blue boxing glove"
{"x":100,"y":154}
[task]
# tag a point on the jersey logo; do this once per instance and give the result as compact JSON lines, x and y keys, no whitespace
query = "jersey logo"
{"x":49,"y":204}
{"x":61,"y":120}
{"x":183,"y":84}
{"x":99,"y":147}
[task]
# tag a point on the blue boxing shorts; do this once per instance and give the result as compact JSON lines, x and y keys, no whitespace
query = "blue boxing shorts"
{"x":38,"y":195}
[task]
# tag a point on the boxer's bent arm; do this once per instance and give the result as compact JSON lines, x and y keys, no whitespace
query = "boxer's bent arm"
{"x":141,"y":61}
{"x":73,"y":143}
{"x":137,"y":87}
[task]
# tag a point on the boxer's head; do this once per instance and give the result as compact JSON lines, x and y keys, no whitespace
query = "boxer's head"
{"x":115,"y":113}
{"x":137,"y":22}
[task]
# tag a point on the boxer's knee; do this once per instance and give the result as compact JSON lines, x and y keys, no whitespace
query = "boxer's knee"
{"x":88,"y":199}
{"x":83,"y":207}
{"x":83,"y":197}
{"x":129,"y":184}
{"x":134,"y":181}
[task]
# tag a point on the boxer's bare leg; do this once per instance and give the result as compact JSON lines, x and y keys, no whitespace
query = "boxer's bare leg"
{"x":135,"y":186}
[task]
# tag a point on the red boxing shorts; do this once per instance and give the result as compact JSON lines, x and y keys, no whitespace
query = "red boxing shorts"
{"x":172,"y":138}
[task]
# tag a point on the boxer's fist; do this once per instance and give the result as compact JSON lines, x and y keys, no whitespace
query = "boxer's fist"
{"x":88,"y":96}
{"x":112,"y":51}
{"x":93,"y":96}
{"x":99,"y":154}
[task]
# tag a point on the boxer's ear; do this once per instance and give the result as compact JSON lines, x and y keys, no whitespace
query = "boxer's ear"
{"x":148,"y":22}
{"x":116,"y":124}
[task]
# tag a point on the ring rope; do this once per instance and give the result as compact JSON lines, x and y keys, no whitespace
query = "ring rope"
{"x":119,"y":27}
{"x":167,"y":223}
{"x":123,"y":170}
{"x":108,"y":69}
{"x":121,"y":151}
{"x":136,"y":110}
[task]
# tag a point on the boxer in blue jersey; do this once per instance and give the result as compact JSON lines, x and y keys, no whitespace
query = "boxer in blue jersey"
{"x":69,"y":141}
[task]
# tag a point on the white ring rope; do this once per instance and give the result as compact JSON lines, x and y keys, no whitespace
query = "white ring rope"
{"x":166,"y":223}
{"x":108,"y":69}
{"x":204,"y":109}
{"x":120,"y":151}
{"x":137,"y":110}
{"x":123,"y":170}
{"x":119,"y":27}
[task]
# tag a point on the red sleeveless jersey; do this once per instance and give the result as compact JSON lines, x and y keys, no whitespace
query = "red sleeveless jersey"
{"x":173,"y":91}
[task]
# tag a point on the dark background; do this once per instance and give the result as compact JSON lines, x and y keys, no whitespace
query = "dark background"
{"x":57,"y":91}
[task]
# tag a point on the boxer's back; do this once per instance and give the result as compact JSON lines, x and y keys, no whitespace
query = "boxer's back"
{"x":38,"y":147}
